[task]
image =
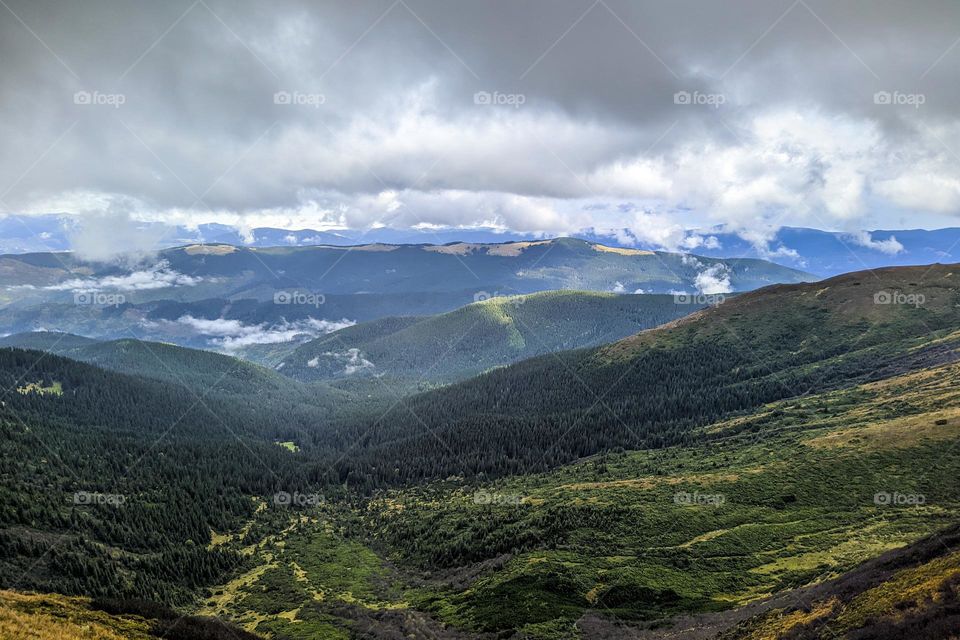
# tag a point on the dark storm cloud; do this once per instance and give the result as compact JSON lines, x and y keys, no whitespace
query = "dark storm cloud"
{"x":388,"y":115}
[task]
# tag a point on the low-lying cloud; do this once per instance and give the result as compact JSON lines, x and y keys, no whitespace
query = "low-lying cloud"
{"x":713,"y":279}
{"x":352,"y":360}
{"x":231,"y":335}
{"x":158,"y":276}
{"x":891,"y":246}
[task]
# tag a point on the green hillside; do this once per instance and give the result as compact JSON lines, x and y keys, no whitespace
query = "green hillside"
{"x":111,"y":479}
{"x":52,"y":341}
{"x":800,"y":492}
{"x":906,"y":593}
{"x":202,"y":372}
{"x":652,"y":390}
{"x":480,"y":336}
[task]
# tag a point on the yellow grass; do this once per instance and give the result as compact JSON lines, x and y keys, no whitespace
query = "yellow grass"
{"x":209,"y":249}
{"x":55,"y":617}
{"x":621,"y":251}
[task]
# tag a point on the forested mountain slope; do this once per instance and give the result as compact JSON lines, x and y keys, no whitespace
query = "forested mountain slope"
{"x":204,"y":371}
{"x":652,"y":389}
{"x":80,"y":441}
{"x":480,"y":336}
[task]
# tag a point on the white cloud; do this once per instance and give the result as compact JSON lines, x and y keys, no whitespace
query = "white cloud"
{"x":713,"y":279}
{"x":107,"y":231}
{"x":353,"y":359}
{"x":786,"y":166}
{"x":158,"y":276}
{"x":924,"y":191}
{"x":891,"y":246}
{"x":798,"y":142}
{"x":231,"y":335}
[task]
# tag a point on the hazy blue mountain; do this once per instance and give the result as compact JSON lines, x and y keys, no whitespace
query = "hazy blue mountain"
{"x":196,"y":272}
{"x":824,"y":253}
{"x":829,"y":253}
{"x":238,"y":299}
{"x":257,"y":329}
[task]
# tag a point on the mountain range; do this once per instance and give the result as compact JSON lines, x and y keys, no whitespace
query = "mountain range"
{"x":777,"y":462}
{"x":822,"y":252}
{"x":237,"y":299}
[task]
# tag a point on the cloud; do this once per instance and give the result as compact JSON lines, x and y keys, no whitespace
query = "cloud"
{"x":399,"y":139}
{"x":713,"y":279}
{"x":103,"y":236}
{"x":158,"y":276}
{"x":231,"y":335}
{"x":891,"y":246}
{"x":352,"y":359}
{"x":931,"y":191}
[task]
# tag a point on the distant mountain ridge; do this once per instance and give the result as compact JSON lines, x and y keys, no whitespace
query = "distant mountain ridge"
{"x":824,"y":253}
{"x":199,"y":270}
{"x":231,"y":298}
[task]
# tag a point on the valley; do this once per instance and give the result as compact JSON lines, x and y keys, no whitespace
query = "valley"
{"x":783,"y":438}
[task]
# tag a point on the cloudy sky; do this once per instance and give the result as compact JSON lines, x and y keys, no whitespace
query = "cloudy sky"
{"x":545,"y":116}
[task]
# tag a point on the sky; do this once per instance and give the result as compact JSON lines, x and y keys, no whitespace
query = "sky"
{"x":541,"y":116}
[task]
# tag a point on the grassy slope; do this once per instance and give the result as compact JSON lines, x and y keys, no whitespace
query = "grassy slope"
{"x":608,"y":534}
{"x":54,"y":617}
{"x":624,"y":535}
{"x":910,"y":592}
{"x":482,"y":335}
